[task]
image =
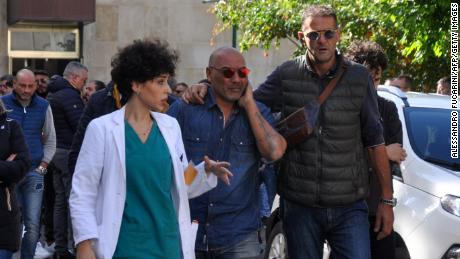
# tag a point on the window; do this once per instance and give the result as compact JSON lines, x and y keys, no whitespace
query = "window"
{"x":43,"y":42}
{"x":429,"y":135}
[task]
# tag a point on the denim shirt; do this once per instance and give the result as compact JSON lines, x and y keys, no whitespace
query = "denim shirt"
{"x":226,"y":214}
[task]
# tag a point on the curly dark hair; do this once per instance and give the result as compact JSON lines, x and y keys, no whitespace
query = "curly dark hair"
{"x":141,"y":61}
{"x":367,"y":53}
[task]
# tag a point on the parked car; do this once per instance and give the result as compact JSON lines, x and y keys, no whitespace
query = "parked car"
{"x":427,"y":216}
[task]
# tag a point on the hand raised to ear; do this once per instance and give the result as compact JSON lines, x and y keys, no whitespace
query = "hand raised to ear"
{"x":246,"y":97}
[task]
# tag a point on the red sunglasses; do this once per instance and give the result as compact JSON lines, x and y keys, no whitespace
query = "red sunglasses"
{"x":243,"y":72}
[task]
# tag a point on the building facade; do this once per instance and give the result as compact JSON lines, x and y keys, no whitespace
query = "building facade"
{"x":186,"y":24}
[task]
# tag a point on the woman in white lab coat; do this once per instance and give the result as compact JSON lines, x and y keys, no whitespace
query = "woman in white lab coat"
{"x":130,"y":194}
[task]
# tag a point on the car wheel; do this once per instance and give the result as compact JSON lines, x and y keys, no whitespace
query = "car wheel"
{"x":276,"y":246}
{"x":401,"y":248}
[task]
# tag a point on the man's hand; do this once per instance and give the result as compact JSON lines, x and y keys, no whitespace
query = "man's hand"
{"x":195,"y":94}
{"x":11,"y":157}
{"x":220,"y":169}
{"x":246,"y":98}
{"x":85,"y":250}
{"x":396,"y":152}
{"x":44,"y":164}
{"x":384,"y":221}
{"x":384,"y":217}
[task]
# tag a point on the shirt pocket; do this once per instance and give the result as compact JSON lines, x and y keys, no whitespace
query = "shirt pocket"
{"x":243,"y":144}
{"x":195,"y":146}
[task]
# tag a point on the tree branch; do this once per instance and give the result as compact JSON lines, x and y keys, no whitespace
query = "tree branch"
{"x":294,"y":41}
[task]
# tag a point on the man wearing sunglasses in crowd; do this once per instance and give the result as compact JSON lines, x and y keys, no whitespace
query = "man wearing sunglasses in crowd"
{"x":42,"y":78}
{"x":230,"y":126}
{"x":323,"y":181}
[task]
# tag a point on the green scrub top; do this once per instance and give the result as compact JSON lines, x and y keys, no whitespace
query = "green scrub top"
{"x":149,"y":227}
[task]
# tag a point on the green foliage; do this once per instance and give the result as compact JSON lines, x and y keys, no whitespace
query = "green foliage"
{"x":260,"y":22}
{"x":414,"y":34}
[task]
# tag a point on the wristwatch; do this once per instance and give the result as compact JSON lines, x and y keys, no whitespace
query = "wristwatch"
{"x":391,"y":202}
{"x":41,"y":170}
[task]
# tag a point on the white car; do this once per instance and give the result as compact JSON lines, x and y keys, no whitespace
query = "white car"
{"x":427,"y":216}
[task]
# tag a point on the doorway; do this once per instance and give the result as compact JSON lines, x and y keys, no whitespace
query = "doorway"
{"x":52,"y":66}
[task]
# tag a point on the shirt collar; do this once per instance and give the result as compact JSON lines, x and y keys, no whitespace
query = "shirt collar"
{"x":23,"y":103}
{"x":70,"y":83}
{"x":210,"y":100}
{"x":331,"y":73}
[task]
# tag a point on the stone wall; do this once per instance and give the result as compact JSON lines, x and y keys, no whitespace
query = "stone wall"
{"x":185,"y":24}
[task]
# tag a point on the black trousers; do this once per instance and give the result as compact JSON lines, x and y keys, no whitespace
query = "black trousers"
{"x":48,"y":205}
{"x":62,"y":184}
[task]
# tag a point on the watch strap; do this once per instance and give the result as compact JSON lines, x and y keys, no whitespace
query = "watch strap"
{"x":391,"y":202}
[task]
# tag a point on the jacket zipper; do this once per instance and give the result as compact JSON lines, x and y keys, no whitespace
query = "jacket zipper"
{"x":24,"y":116}
{"x":318,"y":164}
{"x":8,"y":198}
{"x":318,"y":150}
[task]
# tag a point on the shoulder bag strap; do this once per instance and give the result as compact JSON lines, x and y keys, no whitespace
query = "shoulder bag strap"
{"x":328,"y":90}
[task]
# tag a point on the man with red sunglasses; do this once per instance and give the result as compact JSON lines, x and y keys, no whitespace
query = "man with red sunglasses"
{"x":230,"y":126}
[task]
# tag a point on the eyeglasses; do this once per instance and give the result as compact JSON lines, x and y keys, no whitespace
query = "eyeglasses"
{"x":315,"y":35}
{"x":243,"y":72}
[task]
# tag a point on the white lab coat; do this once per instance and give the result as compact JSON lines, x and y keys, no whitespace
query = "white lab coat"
{"x":98,"y":191}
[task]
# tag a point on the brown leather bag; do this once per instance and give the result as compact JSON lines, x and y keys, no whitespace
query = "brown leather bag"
{"x":299,"y":125}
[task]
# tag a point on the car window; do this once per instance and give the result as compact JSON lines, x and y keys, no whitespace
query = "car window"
{"x":429,"y":135}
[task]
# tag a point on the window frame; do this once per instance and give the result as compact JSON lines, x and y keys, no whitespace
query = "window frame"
{"x":44,"y":54}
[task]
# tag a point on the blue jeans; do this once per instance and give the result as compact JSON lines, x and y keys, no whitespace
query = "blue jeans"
{"x":267,"y":190}
{"x":345,"y":228}
{"x":30,"y":195}
{"x":265,"y":208}
{"x":250,"y":248}
{"x":5,"y":254}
